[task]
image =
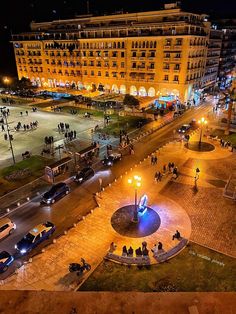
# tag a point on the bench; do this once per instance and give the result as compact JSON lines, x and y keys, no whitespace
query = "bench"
{"x":128,"y":260}
{"x":164,"y":256}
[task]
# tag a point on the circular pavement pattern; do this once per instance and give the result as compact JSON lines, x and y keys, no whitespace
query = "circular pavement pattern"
{"x":204,"y":147}
{"x":122,"y":222}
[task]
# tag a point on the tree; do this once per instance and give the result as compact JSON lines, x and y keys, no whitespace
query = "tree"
{"x":24,"y":83}
{"x":232,"y":95}
{"x":130,"y":101}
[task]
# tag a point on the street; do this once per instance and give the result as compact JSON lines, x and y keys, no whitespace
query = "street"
{"x":80,"y":201}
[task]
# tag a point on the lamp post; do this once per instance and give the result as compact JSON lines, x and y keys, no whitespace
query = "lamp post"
{"x":201,"y":122}
{"x":136,"y":183}
{"x":9,"y":135}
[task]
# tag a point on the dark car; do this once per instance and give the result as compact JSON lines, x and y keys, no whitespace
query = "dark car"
{"x":84,"y":174}
{"x":35,"y":236}
{"x":6,"y":260}
{"x":111,"y":159}
{"x":56,"y":192}
{"x":184,"y":128}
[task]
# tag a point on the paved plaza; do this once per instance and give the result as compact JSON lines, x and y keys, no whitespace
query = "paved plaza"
{"x":33,"y":139}
{"x":202,"y":215}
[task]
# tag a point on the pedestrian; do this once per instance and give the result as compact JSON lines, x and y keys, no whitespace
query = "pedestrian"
{"x":26,"y":112}
{"x":156,"y":176}
{"x":155,"y":249}
{"x":164,"y":169}
{"x":130,"y":251}
{"x":74,"y":134}
{"x":138,"y":252}
{"x":3,"y":128}
{"x":124,"y":251}
{"x":159,"y":246}
{"x":113,"y":247}
{"x":155,"y":160}
{"x":176,"y":235}
{"x":21,"y":113}
{"x":144,"y":245}
{"x":169,"y":167}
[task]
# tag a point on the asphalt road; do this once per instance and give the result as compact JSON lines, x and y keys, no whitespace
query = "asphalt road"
{"x":80,"y":201}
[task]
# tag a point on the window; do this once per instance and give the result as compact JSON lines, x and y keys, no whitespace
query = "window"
{"x":92,"y":73}
{"x":107,"y":74}
{"x":178,"y":42}
{"x":4,"y":227}
{"x":122,"y":64}
{"x":114,"y":64}
{"x":134,"y":54}
{"x":167,"y":55}
{"x":176,"y":78}
{"x":37,"y":238}
{"x":85,"y":72}
{"x":122,"y":54}
{"x":152,"y":54}
{"x":143,"y":54}
{"x":166,"y":78}
{"x":177,"y":67}
{"x":134,"y":65}
{"x":99,"y":73}
{"x":177,"y":55}
{"x":152,"y":65}
{"x":168,"y":42}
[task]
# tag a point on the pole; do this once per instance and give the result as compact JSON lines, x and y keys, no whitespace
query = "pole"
{"x":12,"y":152}
{"x":200,"y":140}
{"x":135,"y":219}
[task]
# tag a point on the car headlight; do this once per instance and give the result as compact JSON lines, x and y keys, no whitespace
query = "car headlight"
{"x":49,"y":201}
{"x":15,"y":246}
{"x":109,"y":163}
{"x":23,"y":251}
{"x":80,"y":179}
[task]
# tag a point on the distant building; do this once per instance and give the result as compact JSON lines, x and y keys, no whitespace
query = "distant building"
{"x":213,"y":59}
{"x":158,"y":53}
{"x":228,"y":51}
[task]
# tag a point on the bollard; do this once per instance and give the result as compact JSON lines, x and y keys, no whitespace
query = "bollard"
{"x":109,"y":184}
{"x":8,"y":210}
{"x":135,"y":166}
{"x":54,"y":241}
{"x":121,"y":176}
{"x":38,"y":193}
{"x":27,"y":198}
{"x":140,"y":162}
{"x":115,"y":180}
{"x":74,"y":224}
{"x":18,"y":204}
{"x":91,"y":211}
{"x":30,"y":260}
{"x":131,"y":169}
{"x":43,"y":250}
{"x":83,"y":217}
{"x":103,"y":189}
{"x":65,"y":232}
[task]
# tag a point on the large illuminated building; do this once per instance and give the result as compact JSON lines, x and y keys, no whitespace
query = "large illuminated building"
{"x":158,"y":53}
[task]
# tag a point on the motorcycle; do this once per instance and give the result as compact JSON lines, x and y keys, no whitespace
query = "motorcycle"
{"x":79,"y":268}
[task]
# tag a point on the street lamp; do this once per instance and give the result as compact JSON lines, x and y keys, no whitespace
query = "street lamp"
{"x":136,"y":183}
{"x":8,"y":133}
{"x":201,"y":122}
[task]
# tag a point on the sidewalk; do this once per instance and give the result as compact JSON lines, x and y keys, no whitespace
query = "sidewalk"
{"x":178,"y":206}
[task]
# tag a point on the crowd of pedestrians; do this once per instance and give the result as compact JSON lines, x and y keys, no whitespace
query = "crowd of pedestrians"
{"x":172,"y":169}
{"x":26,"y":127}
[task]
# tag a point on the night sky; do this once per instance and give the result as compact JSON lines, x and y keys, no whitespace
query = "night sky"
{"x":16,"y":16}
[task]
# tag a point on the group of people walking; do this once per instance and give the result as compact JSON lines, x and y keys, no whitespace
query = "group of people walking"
{"x":172,"y":169}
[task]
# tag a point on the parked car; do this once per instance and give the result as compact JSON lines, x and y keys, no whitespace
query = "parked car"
{"x":35,"y":236}
{"x":184,"y":128}
{"x":111,"y":159}
{"x":55,"y":193}
{"x":6,"y":227}
{"x":84,"y":174}
{"x":6,"y":260}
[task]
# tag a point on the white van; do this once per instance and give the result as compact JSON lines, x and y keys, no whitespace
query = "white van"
{"x":6,"y":227}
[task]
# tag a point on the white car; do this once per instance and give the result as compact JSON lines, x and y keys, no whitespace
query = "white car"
{"x":6,"y":227}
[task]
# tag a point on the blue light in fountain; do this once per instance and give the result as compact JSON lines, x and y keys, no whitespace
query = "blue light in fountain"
{"x":142,"y":205}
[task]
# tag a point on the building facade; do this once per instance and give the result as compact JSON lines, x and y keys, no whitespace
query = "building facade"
{"x":213,"y":58}
{"x":158,"y":53}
